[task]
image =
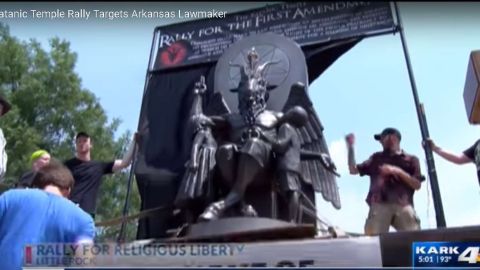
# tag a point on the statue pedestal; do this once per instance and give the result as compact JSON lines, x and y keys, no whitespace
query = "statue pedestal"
{"x":243,"y":229}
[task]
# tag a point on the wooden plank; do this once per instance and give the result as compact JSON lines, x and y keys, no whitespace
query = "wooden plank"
{"x":471,"y":92}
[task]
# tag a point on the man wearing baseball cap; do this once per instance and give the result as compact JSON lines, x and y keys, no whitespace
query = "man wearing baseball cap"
{"x":4,"y":108}
{"x":88,"y":173}
{"x":394,"y":177}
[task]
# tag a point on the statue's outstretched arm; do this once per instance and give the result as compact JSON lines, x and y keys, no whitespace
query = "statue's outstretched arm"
{"x":323,"y":157}
{"x":309,"y":155}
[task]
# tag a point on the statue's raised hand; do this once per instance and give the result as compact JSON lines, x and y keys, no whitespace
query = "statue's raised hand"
{"x":200,"y":87}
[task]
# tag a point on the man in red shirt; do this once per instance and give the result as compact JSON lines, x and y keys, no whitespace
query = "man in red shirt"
{"x":394,"y":177}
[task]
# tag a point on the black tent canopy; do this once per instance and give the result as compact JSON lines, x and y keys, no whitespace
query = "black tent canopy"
{"x":168,"y":91}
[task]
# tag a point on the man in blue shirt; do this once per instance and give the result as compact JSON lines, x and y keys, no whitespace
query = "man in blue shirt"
{"x":36,"y":216}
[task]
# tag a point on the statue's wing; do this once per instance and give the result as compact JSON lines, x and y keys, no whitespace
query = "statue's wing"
{"x":216,"y":105}
{"x":312,"y":139}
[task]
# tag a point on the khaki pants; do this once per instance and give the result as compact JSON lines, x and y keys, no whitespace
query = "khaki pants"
{"x":382,"y":215}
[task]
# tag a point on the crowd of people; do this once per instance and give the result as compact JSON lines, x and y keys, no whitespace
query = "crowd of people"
{"x":54,"y":202}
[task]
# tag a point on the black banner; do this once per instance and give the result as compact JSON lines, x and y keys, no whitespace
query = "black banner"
{"x":306,"y":23}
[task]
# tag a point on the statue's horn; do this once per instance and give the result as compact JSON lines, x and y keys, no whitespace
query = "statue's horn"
{"x":264,"y":66}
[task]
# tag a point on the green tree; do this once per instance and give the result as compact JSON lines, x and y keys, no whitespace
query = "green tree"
{"x":49,"y":106}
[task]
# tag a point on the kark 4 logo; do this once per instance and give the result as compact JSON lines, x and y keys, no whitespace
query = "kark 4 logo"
{"x":469,"y":254}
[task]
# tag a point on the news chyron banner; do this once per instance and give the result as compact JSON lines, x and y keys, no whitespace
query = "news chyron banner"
{"x":446,"y":254}
{"x":364,"y":252}
{"x":306,"y":23}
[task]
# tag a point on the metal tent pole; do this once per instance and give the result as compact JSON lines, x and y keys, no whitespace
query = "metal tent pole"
{"x":121,"y":234}
{"x":437,"y":200}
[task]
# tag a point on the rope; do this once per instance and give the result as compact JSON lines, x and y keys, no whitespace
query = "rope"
{"x":429,"y":207}
{"x":123,"y":219}
{"x":313,"y":213}
{"x":149,"y":212}
{"x":313,"y":209}
{"x":121,"y":234}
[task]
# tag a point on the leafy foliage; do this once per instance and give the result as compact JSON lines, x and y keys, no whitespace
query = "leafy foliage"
{"x":49,"y":106}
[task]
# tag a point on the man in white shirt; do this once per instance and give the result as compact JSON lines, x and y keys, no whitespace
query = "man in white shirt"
{"x":4,"y":108}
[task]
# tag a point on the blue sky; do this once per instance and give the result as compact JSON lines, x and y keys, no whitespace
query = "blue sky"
{"x":366,"y":90}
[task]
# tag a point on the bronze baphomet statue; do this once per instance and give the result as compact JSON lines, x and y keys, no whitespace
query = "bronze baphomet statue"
{"x":233,"y":150}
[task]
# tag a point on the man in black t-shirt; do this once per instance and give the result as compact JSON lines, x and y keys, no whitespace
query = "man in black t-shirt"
{"x":88,"y":173}
{"x":472,"y":154}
